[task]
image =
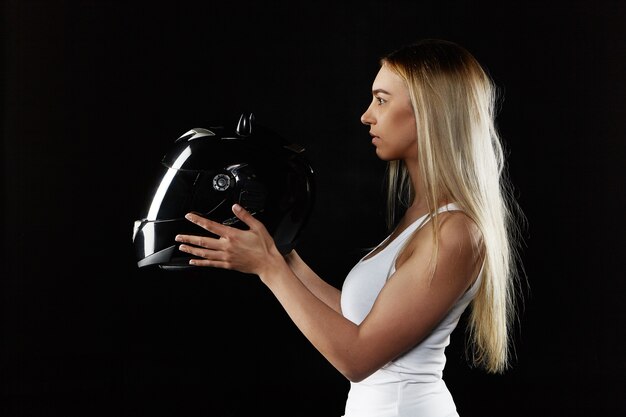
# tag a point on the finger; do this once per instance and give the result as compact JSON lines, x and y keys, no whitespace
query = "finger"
{"x":211,"y":263}
{"x":207,"y":257}
{"x":205,"y":242}
{"x":245,"y":216}
{"x":200,"y":252}
{"x":209,"y":225}
{"x":209,"y":254}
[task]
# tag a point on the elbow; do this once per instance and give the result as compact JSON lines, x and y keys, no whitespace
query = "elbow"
{"x":356,"y":360}
{"x":355,"y":372}
{"x":355,"y":377}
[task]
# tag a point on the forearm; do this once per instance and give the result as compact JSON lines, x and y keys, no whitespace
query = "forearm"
{"x":327,"y":293}
{"x":334,"y":336}
{"x":253,"y":251}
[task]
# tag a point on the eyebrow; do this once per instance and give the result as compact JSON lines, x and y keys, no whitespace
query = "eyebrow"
{"x":380,"y":90}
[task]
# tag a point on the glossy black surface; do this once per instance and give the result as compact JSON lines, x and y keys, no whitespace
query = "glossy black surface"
{"x":207,"y":171}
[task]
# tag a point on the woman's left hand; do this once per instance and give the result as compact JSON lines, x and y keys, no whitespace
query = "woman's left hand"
{"x":249,"y":251}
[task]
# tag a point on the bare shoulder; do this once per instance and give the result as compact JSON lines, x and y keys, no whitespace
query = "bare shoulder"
{"x":457,"y":229}
{"x":459,"y":239}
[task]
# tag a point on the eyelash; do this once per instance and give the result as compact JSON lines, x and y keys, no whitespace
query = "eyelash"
{"x":380,"y":100}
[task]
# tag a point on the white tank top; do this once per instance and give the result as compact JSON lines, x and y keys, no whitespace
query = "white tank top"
{"x":410,"y":385}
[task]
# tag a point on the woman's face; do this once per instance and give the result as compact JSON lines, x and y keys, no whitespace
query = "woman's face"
{"x":391,"y":118}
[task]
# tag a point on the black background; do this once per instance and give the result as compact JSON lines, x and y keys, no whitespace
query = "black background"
{"x":94,"y":92}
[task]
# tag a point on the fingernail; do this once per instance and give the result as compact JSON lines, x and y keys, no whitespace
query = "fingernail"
{"x":188,"y":216}
{"x":236,"y":208}
{"x":177,"y":238}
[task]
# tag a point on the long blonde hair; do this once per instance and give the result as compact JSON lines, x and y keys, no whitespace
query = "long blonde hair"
{"x":461,"y":157}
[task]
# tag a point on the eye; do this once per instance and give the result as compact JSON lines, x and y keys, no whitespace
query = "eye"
{"x":380,"y":100}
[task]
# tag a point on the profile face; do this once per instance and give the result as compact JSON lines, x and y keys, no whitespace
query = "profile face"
{"x":391,"y":118}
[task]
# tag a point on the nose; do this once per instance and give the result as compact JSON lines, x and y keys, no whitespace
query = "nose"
{"x":367,"y":118}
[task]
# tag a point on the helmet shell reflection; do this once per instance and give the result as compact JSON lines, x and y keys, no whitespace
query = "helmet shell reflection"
{"x":206,"y":171}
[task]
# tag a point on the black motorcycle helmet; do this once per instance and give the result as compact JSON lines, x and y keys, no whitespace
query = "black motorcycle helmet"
{"x":210,"y":169}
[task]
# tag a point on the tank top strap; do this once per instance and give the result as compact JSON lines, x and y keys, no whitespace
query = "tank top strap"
{"x":442,"y":209}
{"x":449,"y":207}
{"x":418,"y":224}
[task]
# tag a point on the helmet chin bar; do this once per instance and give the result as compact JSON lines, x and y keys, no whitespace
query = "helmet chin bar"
{"x":210,"y":169}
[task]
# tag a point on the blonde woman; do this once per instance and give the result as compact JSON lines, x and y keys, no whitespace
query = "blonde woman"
{"x":452,"y":246}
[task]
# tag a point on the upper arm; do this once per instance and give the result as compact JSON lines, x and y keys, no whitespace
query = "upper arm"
{"x":414,"y":300}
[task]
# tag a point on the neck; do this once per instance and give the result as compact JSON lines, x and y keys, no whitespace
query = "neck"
{"x":420,"y":203}
{"x":419,"y":206}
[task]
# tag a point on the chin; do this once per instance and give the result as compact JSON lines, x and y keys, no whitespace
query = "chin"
{"x":382,"y":156}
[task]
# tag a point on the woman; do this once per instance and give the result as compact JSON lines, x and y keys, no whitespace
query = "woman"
{"x":432,"y":118}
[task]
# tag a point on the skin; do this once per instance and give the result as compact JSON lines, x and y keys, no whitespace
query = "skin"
{"x":412,"y":302}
